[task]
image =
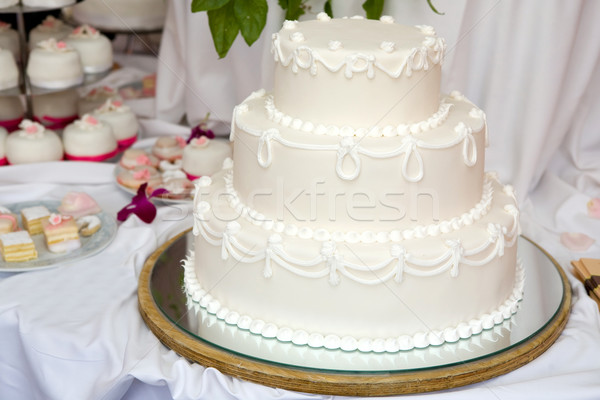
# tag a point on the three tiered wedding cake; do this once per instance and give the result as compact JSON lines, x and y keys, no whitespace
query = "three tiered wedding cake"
{"x":356,"y":213}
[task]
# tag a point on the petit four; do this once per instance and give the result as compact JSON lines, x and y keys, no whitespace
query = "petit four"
{"x":3,"y":133}
{"x":54,"y":65}
{"x":169,"y":147}
{"x":8,"y":221}
{"x":32,"y":218}
{"x":55,"y":110}
{"x":95,"y":98}
{"x":133,"y":178}
{"x":94,"y":48}
{"x":9,"y":40}
{"x":11,"y":112}
{"x":123,"y":121}
{"x":204,"y":156}
{"x":78,"y":204}
{"x":17,"y":246}
{"x":133,"y":157}
{"x":89,"y":139}
{"x":89,"y":225}
{"x":50,"y":27}
{"x":61,"y":233}
{"x":9,"y":78}
{"x":177,"y":188}
{"x":33,"y":143}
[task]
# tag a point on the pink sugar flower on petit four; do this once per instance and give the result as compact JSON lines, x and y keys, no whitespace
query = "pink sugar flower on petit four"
{"x":61,"y":45}
{"x":593,"y":207}
{"x":31,"y":129}
{"x":90,"y":120}
{"x":117,"y":103}
{"x":142,"y":174}
{"x":576,"y":241}
{"x":143,"y":159}
{"x":55,"y":219}
{"x":180,"y":141}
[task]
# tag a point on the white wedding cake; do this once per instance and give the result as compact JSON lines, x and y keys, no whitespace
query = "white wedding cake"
{"x":356,"y":213}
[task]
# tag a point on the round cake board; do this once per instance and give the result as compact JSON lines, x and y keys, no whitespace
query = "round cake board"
{"x":345,"y":383}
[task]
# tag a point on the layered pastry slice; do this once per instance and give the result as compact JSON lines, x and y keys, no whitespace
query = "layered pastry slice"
{"x":17,"y":246}
{"x":62,"y":233}
{"x":32,"y":218}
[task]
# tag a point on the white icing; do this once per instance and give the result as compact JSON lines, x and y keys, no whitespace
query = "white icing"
{"x":35,"y":212}
{"x":15,"y":238}
{"x":196,"y":296}
{"x":89,"y":221}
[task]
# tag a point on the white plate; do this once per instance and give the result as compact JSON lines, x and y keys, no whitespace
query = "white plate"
{"x":89,"y":245}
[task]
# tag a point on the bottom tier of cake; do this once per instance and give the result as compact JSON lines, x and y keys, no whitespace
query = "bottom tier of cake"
{"x":369,"y":291}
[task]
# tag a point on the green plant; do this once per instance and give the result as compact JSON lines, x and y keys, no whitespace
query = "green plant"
{"x":227,"y":18}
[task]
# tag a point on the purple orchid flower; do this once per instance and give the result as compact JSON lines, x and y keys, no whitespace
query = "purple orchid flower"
{"x":141,"y":205}
{"x":199,"y":131}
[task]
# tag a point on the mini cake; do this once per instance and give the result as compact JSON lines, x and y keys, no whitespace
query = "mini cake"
{"x":32,"y":218}
{"x":95,"y":98}
{"x":94,"y":48}
{"x":122,"y":120}
{"x":88,"y":225}
{"x":8,"y":221}
{"x":78,"y":204}
{"x":9,"y":40}
{"x":9,"y":78}
{"x":11,"y":112}
{"x":133,"y":178}
{"x":119,"y":15}
{"x":204,"y":156}
{"x":89,"y":139}
{"x":17,"y":246}
{"x":3,"y":133}
{"x":61,"y":233}
{"x":169,"y":148}
{"x":133,"y":157}
{"x":178,"y":188}
{"x":50,"y":28}
{"x":54,"y":65}
{"x":33,"y":143}
{"x":55,"y":110}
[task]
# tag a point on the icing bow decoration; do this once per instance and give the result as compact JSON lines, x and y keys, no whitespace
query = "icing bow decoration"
{"x":141,"y":205}
{"x":200,"y":131}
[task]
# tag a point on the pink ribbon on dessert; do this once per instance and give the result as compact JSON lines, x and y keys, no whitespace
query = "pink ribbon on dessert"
{"x":11,"y":125}
{"x":126,"y":143}
{"x":3,"y":161}
{"x":55,"y":123}
{"x":192,"y":177}
{"x":12,"y":219}
{"x":97,"y":158}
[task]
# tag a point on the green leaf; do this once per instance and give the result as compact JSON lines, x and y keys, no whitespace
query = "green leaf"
{"x":223,"y":28}
{"x":327,"y":8}
{"x":251,"y":16}
{"x":374,"y":8}
{"x":294,"y":9}
{"x":433,"y":8}
{"x":206,"y":5}
{"x":283,"y":4}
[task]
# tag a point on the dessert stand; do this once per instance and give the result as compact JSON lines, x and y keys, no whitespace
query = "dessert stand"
{"x":202,"y":338}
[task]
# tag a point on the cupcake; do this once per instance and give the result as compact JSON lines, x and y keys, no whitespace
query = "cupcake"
{"x":122,"y":121}
{"x":94,"y":48}
{"x":50,"y":28}
{"x":134,"y":178}
{"x":169,"y":148}
{"x":89,"y":139}
{"x":135,"y":157}
{"x":204,"y":156}
{"x":33,"y":143}
{"x":54,"y":65}
{"x":55,"y":110}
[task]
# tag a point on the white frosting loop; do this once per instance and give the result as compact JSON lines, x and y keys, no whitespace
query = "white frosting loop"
{"x":347,"y":148}
{"x":264,"y":146}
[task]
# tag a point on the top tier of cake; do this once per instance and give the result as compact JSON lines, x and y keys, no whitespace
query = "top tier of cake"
{"x":394,"y":71}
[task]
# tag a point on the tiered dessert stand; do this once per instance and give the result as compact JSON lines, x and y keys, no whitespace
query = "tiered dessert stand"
{"x":203,"y":338}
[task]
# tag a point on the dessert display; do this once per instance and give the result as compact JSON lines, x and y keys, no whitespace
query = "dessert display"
{"x":3,"y":134}
{"x":89,"y":139}
{"x":9,"y":40}
{"x":50,"y":28}
{"x":78,"y":205}
{"x":121,"y":119}
{"x":9,"y":78}
{"x":61,"y":233}
{"x":135,"y":177}
{"x":95,"y":49}
{"x":121,"y":15}
{"x":204,"y":156}
{"x":55,"y":110}
{"x":169,"y":148}
{"x":356,"y":213}
{"x":33,"y":143}
{"x":17,"y":246}
{"x":54,"y":65}
{"x":8,"y":221}
{"x":32,"y":218}
{"x":88,"y":225}
{"x":132,"y":158}
{"x":11,"y":112}
{"x":95,"y":98}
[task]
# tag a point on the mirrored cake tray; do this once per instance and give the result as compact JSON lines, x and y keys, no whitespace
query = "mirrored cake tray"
{"x":201,"y":337}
